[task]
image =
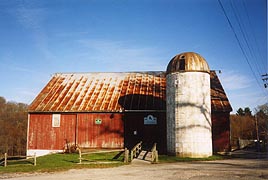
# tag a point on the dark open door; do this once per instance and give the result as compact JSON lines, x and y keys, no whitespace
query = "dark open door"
{"x":146,"y":127}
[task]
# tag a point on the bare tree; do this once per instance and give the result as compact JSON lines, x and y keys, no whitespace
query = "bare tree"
{"x":13,"y":127}
{"x":246,"y":126}
{"x":262,"y":122}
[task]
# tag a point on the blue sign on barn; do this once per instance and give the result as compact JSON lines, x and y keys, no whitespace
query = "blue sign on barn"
{"x":150,"y":119}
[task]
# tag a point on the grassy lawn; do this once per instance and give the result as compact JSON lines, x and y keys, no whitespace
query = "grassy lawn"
{"x":63,"y":162}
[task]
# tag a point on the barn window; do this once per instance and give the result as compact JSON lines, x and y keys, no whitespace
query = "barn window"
{"x":56,"y":120}
{"x":182,"y":65}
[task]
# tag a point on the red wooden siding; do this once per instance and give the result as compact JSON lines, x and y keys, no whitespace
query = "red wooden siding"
{"x":221,"y":131}
{"x":43,"y":136}
{"x":108,"y":134}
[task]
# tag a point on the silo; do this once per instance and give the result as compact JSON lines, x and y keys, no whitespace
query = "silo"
{"x":188,"y":106}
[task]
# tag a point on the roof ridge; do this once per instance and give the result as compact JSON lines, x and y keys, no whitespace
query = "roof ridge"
{"x":115,"y":72}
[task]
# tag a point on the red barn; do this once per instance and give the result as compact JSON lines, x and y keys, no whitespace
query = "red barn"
{"x":220,"y":115}
{"x":111,"y":110}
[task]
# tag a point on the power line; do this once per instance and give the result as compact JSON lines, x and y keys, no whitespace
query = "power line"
{"x":261,"y":56}
{"x":244,"y":35}
{"x":239,"y":43}
{"x":266,"y":14}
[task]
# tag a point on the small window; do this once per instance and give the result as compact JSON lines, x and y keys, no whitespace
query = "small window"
{"x":182,"y":64}
{"x":56,"y":120}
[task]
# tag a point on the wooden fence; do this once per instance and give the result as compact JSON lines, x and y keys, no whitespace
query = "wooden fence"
{"x":154,"y":154}
{"x":17,"y":159}
{"x":149,"y":155}
{"x":135,"y":151}
{"x":81,"y":158}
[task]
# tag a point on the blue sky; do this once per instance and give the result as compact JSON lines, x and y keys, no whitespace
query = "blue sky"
{"x":42,"y":37}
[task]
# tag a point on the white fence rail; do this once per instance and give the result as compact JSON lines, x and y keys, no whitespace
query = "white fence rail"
{"x":15,"y":159}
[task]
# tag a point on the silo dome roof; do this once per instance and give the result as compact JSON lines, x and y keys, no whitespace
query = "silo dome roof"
{"x":187,"y":61}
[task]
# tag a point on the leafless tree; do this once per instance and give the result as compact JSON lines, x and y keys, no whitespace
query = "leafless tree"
{"x":13,"y":127}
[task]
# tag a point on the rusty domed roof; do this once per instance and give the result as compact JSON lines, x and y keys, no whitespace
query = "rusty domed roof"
{"x":187,"y":61}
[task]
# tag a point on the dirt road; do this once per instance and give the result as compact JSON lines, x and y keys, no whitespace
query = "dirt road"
{"x":209,"y":170}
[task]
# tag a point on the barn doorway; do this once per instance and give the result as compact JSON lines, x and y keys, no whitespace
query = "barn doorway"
{"x":147,"y":127}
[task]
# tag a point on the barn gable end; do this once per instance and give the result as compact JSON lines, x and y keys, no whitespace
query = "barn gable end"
{"x":107,"y":110}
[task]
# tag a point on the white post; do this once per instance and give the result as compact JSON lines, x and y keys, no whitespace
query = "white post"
{"x":131,"y":155}
{"x":156,"y":156}
{"x":126,"y":156}
{"x":5,"y":164}
{"x":34,"y":159}
{"x":80,"y":156}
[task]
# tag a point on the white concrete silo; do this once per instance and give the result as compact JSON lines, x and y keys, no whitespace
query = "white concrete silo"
{"x":188,"y":106}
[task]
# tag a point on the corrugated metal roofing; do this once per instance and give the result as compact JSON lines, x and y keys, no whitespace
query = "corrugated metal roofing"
{"x":188,"y":61}
{"x":83,"y":92}
{"x":219,"y":100}
{"x":112,"y":92}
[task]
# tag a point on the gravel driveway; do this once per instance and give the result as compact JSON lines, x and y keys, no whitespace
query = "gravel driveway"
{"x":208,"y":170}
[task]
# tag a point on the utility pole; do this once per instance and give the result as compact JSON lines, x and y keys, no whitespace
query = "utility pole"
{"x":257,"y":133}
{"x":257,"y":128}
{"x":265,"y":80}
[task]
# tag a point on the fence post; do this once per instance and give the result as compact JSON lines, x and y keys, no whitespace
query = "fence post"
{"x":156,"y":156}
{"x":5,"y":164}
{"x":131,"y":155}
{"x":126,"y":155}
{"x":80,"y":156}
{"x":153,"y":157}
{"x":34,"y":159}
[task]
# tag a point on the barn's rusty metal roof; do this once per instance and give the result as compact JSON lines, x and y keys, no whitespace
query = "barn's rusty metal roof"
{"x":83,"y":92}
{"x":113,"y":92}
{"x":219,"y":100}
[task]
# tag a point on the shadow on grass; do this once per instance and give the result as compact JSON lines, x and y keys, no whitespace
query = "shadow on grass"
{"x":169,"y":159}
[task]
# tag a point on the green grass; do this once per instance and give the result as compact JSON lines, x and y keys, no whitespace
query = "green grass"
{"x":60,"y":162}
{"x":63,"y":162}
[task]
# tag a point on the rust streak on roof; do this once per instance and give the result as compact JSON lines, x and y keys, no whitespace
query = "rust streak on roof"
{"x":113,"y":92}
{"x":219,"y":100}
